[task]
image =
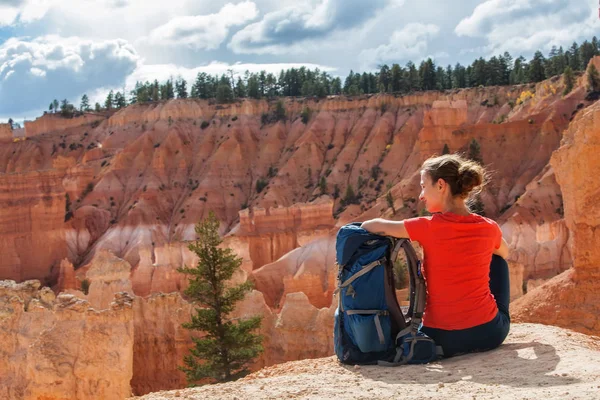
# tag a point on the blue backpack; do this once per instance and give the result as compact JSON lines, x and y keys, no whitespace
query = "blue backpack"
{"x":369,"y":326}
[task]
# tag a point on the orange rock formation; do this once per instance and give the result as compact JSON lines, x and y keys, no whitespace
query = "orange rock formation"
{"x":572,"y":299}
{"x":54,"y":123}
{"x":60,"y":348}
{"x":5,"y":132}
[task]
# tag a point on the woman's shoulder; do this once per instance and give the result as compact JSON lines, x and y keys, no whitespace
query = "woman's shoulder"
{"x":464,"y":219}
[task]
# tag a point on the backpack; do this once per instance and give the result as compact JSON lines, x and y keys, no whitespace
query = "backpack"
{"x":369,"y":325}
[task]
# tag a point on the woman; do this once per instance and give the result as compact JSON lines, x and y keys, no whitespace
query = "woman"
{"x":464,"y":259}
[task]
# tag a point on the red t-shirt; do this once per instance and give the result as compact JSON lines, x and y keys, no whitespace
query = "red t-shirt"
{"x":456,"y":266}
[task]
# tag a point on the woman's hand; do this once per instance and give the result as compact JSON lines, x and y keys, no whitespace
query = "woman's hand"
{"x":384,"y":227}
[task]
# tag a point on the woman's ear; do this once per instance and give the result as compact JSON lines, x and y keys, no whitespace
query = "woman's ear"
{"x":440,"y":184}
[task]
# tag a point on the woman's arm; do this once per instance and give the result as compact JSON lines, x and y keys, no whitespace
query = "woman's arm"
{"x":386,"y":227}
{"x":502,"y":251}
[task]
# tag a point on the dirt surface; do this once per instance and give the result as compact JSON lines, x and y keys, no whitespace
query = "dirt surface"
{"x":535,"y":362}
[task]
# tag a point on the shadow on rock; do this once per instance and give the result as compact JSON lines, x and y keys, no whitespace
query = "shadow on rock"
{"x":528,"y":364}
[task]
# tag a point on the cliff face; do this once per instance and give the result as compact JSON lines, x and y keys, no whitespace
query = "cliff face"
{"x":32,"y":228}
{"x":572,"y":299}
{"x":59,"y":348}
{"x":5,"y":132}
{"x":55,"y":123}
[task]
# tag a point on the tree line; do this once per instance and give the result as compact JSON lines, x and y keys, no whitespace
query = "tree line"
{"x":497,"y":70}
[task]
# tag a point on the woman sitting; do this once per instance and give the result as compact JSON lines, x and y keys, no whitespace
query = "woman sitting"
{"x":464,"y":259}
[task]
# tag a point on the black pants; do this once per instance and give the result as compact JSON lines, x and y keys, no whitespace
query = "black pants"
{"x":485,"y":336}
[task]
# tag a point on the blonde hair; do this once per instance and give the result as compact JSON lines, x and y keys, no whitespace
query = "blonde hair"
{"x":462,"y":175}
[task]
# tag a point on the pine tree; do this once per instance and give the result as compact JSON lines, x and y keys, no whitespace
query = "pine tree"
{"x":475,"y":151}
{"x":51,"y":107}
{"x":55,"y":104}
{"x":253,"y":87}
{"x":98,"y":107}
{"x":574,"y":57}
{"x":593,"y":78}
{"x":536,"y":67}
{"x":349,"y":197}
{"x":181,"y":89}
{"x":446,"y":149}
{"x":10,"y":123}
{"x":240,"y":88}
{"x":569,"y":80}
{"x":228,"y":348}
{"x":85,"y":103}
{"x":280,"y":112}
{"x":396,"y":78}
{"x":108,"y":103}
{"x":323,"y":185}
{"x":224,"y":92}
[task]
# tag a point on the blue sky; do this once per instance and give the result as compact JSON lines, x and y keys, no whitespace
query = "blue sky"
{"x":63,"y":49}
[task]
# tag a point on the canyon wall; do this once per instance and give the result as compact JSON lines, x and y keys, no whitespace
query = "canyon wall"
{"x":572,"y":298}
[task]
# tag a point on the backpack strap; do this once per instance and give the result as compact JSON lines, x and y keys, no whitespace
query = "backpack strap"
{"x":416,"y":307}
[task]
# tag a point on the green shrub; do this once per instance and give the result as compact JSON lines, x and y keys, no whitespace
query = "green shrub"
{"x":260,"y":185}
{"x":400,"y":274}
{"x":85,"y":286}
{"x":305,"y":114}
{"x":390,"y":201}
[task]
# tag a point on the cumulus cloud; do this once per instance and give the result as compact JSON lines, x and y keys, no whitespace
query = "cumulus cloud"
{"x":408,"y":43}
{"x":288,"y":29}
{"x":33,"y":72}
{"x":204,"y":31}
{"x":527,"y":25}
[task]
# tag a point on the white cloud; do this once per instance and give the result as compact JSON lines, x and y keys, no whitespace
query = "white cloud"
{"x":163,"y":72}
{"x":33,"y":72}
{"x":529,"y":25}
{"x":23,"y":11}
{"x":296,"y":28}
{"x":204,"y":31}
{"x":408,"y":43}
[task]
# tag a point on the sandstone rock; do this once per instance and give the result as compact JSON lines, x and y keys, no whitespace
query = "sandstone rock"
{"x":107,"y":275}
{"x":537,"y":235}
{"x":572,"y":299}
{"x":32,"y":235}
{"x":6,"y":132}
{"x":66,"y":277}
{"x":138,"y":181}
{"x":65,"y":351}
{"x":310,"y":269}
{"x":52,"y":123}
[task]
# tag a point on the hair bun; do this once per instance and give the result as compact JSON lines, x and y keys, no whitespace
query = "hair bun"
{"x":470,"y":175}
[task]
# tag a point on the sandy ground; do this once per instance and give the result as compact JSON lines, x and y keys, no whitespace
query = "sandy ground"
{"x":536,"y":362}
